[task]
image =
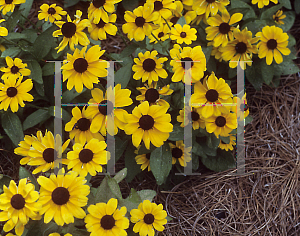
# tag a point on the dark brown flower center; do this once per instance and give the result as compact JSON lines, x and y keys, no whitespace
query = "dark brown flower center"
{"x":195,"y":116}
{"x":174,"y":19}
{"x":146,"y":122}
{"x":101,"y":24}
{"x":151,"y":95}
{"x":149,"y":65}
{"x":103,"y":108}
{"x":17,"y":201}
{"x":86,"y":155}
{"x":186,"y":59}
{"x":223,"y":142}
{"x":224,"y":28}
{"x":80,"y":65}
{"x":210,"y":1}
{"x":51,"y":11}
{"x":212,"y":95}
{"x":176,"y":152}
{"x":240,"y":47}
{"x":11,"y":92}
{"x":8,"y":1}
{"x":14,"y":69}
{"x":276,"y":18}
{"x":68,"y":29}
{"x":98,"y":3}
{"x":49,"y":154}
{"x":60,"y":196}
{"x":140,"y":21}
{"x":272,"y":44}
{"x":161,"y":34}
{"x":244,"y":107}
{"x":107,"y":222}
{"x":220,"y":121}
{"x":149,"y":219}
{"x":183,"y":34}
{"x":148,"y":155}
{"x":158,"y":5}
{"x":83,"y":124}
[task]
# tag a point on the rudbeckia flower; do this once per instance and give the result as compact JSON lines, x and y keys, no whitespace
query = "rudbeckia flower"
{"x":99,"y":31}
{"x":180,"y":153}
{"x":197,"y":121}
{"x":98,"y":10}
{"x":278,"y":17}
{"x":162,"y":34}
{"x":15,"y":69}
{"x":163,"y":7}
{"x":148,"y":123}
{"x":51,"y":13}
{"x":272,"y":43}
{"x":241,"y":108}
{"x":9,"y":5}
{"x":262,"y":3}
{"x":147,"y":217}
{"x":57,"y":234}
{"x":143,"y":160}
{"x":208,"y":7}
{"x":14,"y":92}
{"x":184,"y":34}
{"x":3,"y":32}
{"x":228,"y":146}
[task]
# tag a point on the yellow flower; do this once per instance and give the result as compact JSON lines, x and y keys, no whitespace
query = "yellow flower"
{"x":143,"y":160}
{"x":99,"y":31}
{"x":57,"y":234}
{"x":180,"y":153}
{"x":163,"y":7}
{"x":208,"y":7}
{"x":98,"y":10}
{"x":162,"y":34}
{"x":9,"y":5}
{"x":3,"y":32}
{"x":262,"y":3}
{"x":51,"y":13}
{"x":228,"y":146}
{"x":184,"y":34}
{"x":197,"y":121}
{"x":216,"y":52}
{"x":278,"y":17}
{"x":16,"y":69}
{"x":241,"y":108}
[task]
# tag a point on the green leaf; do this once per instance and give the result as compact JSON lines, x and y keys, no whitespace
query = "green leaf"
{"x":120,"y":175}
{"x":223,"y":161}
{"x":114,"y":187}
{"x":25,"y":9}
{"x":123,"y":75}
{"x":286,"y":3}
{"x":207,"y":52}
{"x":255,"y":26}
{"x":39,"y":88}
{"x":242,"y":10}
{"x":195,"y":161}
{"x":241,"y":4}
{"x":181,"y":21}
{"x":43,"y":43}
{"x":292,"y":40}
{"x":212,"y":141}
{"x":30,"y":34}
{"x":198,"y":149}
{"x":12,"y":127}
{"x":297,"y":6}
{"x":36,"y":118}
{"x":69,"y":95}
{"x":268,"y":14}
{"x":208,"y":151}
{"x":4,"y":180}
{"x":161,"y":163}
{"x":103,"y":193}
{"x":146,"y":194}
{"x":231,"y":73}
{"x":24,"y":173}
{"x":132,"y":201}
{"x":121,"y":146}
{"x":130,"y":163}
{"x":36,"y":71}
{"x":162,"y":48}
{"x":177,"y":133}
{"x":267,"y":72}
{"x":13,"y":19}
{"x":225,"y":139}
{"x":253,"y":74}
{"x":14,"y":35}
{"x":69,"y":3}
{"x":287,"y":67}
{"x":11,"y":52}
{"x":248,"y":119}
{"x":48,"y":69}
{"x":129,"y":50}
{"x":130,"y":5}
{"x":66,"y":116}
{"x":288,"y":21}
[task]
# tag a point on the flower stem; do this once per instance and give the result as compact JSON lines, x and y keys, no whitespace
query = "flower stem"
{"x":167,"y":23}
{"x":167,"y":50}
{"x":122,"y":36}
{"x":31,"y":23}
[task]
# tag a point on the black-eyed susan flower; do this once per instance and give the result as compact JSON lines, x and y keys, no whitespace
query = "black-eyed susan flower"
{"x":44,"y":153}
{"x":215,"y":51}
{"x":88,"y":158}
{"x":180,"y":55}
{"x":152,"y":94}
{"x":84,"y":68}
{"x":9,"y":5}
{"x":143,"y":160}
{"x":99,"y":31}
{"x":197,"y":121}
{"x":228,"y":146}
{"x":58,"y":234}
{"x":80,"y":127}
{"x":149,"y":67}
{"x":139,"y":23}
{"x":18,"y":204}
{"x":184,"y":34}
{"x":278,"y":17}
{"x":62,"y":197}
{"x":14,"y":92}
{"x":222,"y":124}
{"x":241,"y":49}
{"x":163,"y":7}
{"x":15,"y":69}
{"x":221,"y":29}
{"x":72,"y":32}
{"x":3,"y":30}
{"x":180,"y":153}
{"x":147,"y":217}
{"x":273,"y":43}
{"x":99,"y":114}
{"x":162,"y":34}
{"x":209,"y":7}
{"x":106,"y":219}
{"x":176,"y":13}
{"x":241,"y":107}
{"x":51,"y":13}
{"x":148,"y":123}
{"x":98,"y":9}
{"x":262,"y":3}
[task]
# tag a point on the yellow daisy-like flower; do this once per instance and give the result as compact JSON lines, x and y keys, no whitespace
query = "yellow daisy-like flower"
{"x":99,"y":31}
{"x":197,"y":58}
{"x":216,"y":52}
{"x":147,"y":217}
{"x":163,"y":7}
{"x":241,"y":108}
{"x":9,"y":5}
{"x":80,"y":127}
{"x":208,"y":7}
{"x":14,"y":92}
{"x":58,"y":234}
{"x":106,"y":219}
{"x":262,"y":3}
{"x":2,"y":48}
{"x":44,"y":153}
{"x":98,"y":9}
{"x":184,"y":34}
{"x":176,"y":13}
{"x":143,"y":160}
{"x":62,"y":197}
{"x":221,"y":29}
{"x":51,"y":13}
{"x":15,"y":69}
{"x":241,"y":49}
{"x":152,"y":94}
{"x":3,"y":32}
{"x":222,"y":124}
{"x":272,"y":43}
{"x":148,"y":123}
{"x":278,"y":17}
{"x":24,"y":146}
{"x":99,"y":114}
{"x":88,"y":158}
{"x":9,"y":234}
{"x":139,"y":22}
{"x":162,"y":34}
{"x":149,"y":67}
{"x":84,"y":68}
{"x":179,"y":153}
{"x":214,"y":91}
{"x":197,"y":121}
{"x":228,"y":146}
{"x":72,"y":32}
{"x":18,"y":204}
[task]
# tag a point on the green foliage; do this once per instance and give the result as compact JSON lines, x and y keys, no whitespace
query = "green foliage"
{"x":130,"y":163}
{"x":242,"y":5}
{"x":224,"y":160}
{"x":4,"y":180}
{"x":12,"y":127}
{"x":177,"y":133}
{"x":181,"y":21}
{"x":24,"y":173}
{"x":36,"y":118}
{"x":123,"y":75}
{"x":36,"y":71}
